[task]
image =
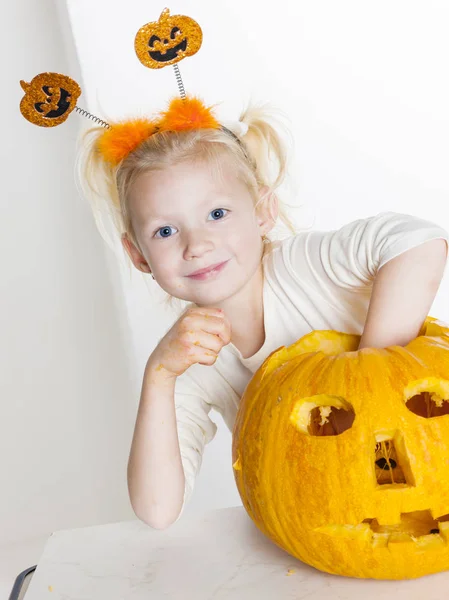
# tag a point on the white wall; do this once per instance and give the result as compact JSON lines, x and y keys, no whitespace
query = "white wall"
{"x":364,"y":88}
{"x":66,"y":391}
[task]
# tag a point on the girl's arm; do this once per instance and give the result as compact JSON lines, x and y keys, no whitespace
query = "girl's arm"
{"x":156,"y":480}
{"x":173,"y":423}
{"x":403,"y":292}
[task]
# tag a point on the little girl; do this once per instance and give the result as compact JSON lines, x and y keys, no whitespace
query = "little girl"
{"x":194,"y":209}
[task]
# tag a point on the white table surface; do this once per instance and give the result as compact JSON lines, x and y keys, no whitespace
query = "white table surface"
{"x":217,"y":555}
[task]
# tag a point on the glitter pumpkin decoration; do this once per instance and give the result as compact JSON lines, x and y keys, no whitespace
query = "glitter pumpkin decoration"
{"x":49,"y":99}
{"x":168,"y":40}
{"x":341,"y":456}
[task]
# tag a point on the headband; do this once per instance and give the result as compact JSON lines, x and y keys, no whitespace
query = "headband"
{"x":51,"y":97}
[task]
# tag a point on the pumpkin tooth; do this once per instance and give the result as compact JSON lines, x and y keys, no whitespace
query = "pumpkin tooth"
{"x":394,"y":540}
{"x":380,"y":540}
{"x":362,"y":531}
{"x":430,"y":542}
{"x":444,"y":530}
{"x":399,"y":538}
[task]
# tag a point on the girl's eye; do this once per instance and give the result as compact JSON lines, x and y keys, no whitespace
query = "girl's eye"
{"x":164,"y":230}
{"x":167,"y":227}
{"x":218,"y":210}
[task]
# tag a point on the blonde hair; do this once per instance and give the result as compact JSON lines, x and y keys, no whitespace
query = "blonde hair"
{"x":108,"y":187}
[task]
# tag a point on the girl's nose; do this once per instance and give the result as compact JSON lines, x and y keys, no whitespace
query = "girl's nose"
{"x":199,"y":239}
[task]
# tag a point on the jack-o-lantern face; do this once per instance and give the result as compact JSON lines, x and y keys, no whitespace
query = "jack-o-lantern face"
{"x":167,"y":41}
{"x":49,"y":99}
{"x":341,"y":456}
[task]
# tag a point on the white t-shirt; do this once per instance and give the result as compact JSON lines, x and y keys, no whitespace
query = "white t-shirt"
{"x":313,"y":280}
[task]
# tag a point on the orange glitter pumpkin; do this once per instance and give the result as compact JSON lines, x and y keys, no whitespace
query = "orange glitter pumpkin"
{"x":167,"y":41}
{"x":49,"y":99}
{"x":341,"y":456}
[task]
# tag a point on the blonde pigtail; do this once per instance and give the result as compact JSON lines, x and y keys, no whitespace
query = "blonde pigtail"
{"x":266,"y":141}
{"x":97,"y":181}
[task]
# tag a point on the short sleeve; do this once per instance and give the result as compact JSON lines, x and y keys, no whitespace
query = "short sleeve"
{"x":350,"y":257}
{"x":195,"y":429}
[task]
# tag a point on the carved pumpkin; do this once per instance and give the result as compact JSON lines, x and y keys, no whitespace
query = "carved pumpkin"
{"x":49,"y":99}
{"x":341,"y":456}
{"x":167,"y":41}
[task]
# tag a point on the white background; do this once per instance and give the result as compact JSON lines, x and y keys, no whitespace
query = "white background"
{"x":364,"y":87}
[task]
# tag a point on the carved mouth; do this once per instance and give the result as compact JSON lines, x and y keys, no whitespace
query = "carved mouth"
{"x":419,"y":528}
{"x":170,"y":54}
{"x":63,"y":104}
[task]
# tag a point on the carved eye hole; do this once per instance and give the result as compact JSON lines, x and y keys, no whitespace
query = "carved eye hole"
{"x":322,"y":415}
{"x":174,"y":32}
{"x":153,"y":39}
{"x":48,"y":91}
{"x":428,"y":398}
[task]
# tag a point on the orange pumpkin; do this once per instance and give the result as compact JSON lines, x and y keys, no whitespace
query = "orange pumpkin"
{"x":167,"y":41}
{"x":49,"y":99}
{"x":341,"y":456}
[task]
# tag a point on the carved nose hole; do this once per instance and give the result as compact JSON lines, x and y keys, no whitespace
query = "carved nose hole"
{"x":389,"y":466}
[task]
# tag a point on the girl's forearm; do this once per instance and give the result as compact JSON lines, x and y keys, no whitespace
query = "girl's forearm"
{"x":403,"y":292}
{"x":155,"y":473}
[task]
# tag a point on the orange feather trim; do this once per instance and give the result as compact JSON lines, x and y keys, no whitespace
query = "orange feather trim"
{"x":187,"y":113}
{"x":182,"y":114}
{"x":124,"y":137}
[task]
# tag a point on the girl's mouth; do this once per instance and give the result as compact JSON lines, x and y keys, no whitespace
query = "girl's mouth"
{"x":209,"y":274}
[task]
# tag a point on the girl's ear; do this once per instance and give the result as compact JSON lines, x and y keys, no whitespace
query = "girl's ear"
{"x":135,"y":255}
{"x":269,"y":210}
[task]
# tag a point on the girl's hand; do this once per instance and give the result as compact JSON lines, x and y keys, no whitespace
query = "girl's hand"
{"x":196,"y":337}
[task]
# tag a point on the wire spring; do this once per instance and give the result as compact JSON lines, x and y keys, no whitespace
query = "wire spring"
{"x":93,"y":117}
{"x":179,"y":81}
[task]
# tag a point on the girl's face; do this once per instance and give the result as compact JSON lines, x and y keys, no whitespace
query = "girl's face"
{"x":187,"y":218}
